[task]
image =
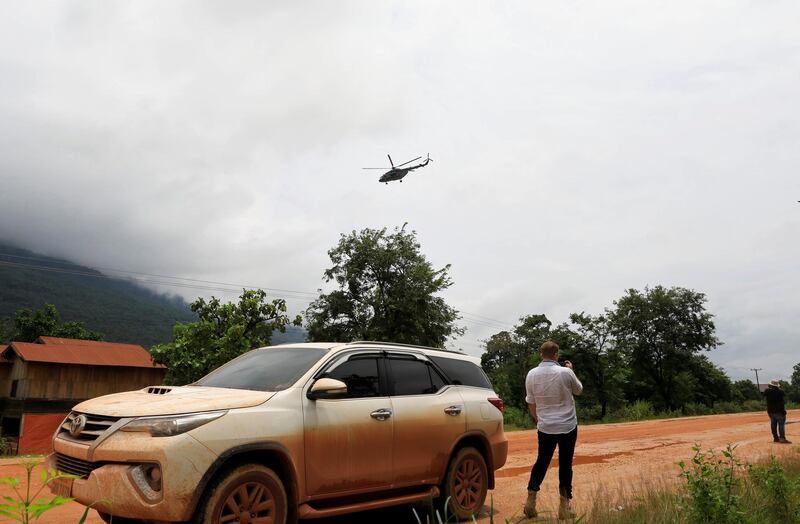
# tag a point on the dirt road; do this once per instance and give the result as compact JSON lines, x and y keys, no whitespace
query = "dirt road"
{"x":610,"y":461}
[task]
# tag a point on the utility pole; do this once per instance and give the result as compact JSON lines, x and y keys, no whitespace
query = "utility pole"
{"x":758,"y":385}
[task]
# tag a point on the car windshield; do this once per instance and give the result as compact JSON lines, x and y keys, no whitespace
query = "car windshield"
{"x":265,"y":369}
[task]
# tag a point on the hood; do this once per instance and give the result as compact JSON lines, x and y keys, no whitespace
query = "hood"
{"x":168,"y":400}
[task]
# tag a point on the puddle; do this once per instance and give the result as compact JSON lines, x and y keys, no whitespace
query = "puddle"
{"x":578,"y":460}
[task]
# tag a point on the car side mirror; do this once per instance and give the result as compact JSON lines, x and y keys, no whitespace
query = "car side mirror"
{"x":327,"y":388}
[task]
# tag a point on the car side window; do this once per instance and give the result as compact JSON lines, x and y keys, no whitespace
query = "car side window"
{"x":409,"y":376}
{"x":361,"y":376}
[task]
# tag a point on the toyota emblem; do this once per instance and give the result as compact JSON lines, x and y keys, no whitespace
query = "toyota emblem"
{"x":76,"y":425}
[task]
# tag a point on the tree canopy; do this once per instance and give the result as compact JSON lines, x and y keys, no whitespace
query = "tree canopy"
{"x":662,"y":329}
{"x":510,"y":355}
{"x":28,"y":325}
{"x":648,"y":346}
{"x":222,"y":332}
{"x":386,"y":290}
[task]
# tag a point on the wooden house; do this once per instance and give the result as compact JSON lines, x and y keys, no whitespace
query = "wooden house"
{"x":41,"y":381}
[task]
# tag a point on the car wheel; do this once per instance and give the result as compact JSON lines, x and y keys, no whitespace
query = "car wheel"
{"x":251,"y":493}
{"x":466,"y":483}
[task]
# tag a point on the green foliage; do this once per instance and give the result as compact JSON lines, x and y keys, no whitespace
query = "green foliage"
{"x":713,"y":480}
{"x":718,"y":488}
{"x":592,"y":349}
{"x":639,"y":410}
{"x":781,"y":493}
{"x":387,"y":290}
{"x":662,"y":330}
{"x":517,"y":418}
{"x":793,"y":391}
{"x":745,"y":390}
{"x":26,"y":507}
{"x":121,"y":310}
{"x":29,"y":325}
{"x":5,"y":447}
{"x":647,"y":347}
{"x":221,"y":333}
{"x":510,"y":355}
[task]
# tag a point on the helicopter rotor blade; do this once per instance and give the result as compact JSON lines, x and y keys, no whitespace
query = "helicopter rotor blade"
{"x":383,"y":168}
{"x":404,"y":163}
{"x":390,"y":159}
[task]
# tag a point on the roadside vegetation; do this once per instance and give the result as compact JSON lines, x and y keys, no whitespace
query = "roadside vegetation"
{"x":644,"y":357}
{"x":716,"y":488}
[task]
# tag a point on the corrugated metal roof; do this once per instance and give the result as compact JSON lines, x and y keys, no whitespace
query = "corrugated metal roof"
{"x":83,"y":352}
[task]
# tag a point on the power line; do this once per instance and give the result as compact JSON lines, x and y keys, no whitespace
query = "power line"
{"x":125,"y":271}
{"x":203,"y":285}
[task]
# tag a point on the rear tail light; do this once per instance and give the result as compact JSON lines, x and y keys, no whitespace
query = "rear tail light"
{"x":498,"y":403}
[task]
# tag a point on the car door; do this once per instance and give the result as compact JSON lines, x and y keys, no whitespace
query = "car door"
{"x":348,"y":441}
{"x":429,"y":417}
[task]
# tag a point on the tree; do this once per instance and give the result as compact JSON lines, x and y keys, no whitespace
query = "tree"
{"x":510,"y":355}
{"x":794,"y":389}
{"x":600,"y":363}
{"x":222,"y":332}
{"x":662,"y":329}
{"x":387,"y":290}
{"x":745,"y":390}
{"x":29,"y":325}
{"x":711,"y":384}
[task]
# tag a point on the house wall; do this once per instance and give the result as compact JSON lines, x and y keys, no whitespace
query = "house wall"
{"x":5,"y":379}
{"x":59,"y":381}
{"x":37,"y":432}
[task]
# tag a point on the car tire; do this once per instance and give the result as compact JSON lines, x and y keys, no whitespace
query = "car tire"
{"x":250,"y":488}
{"x":465,"y":484}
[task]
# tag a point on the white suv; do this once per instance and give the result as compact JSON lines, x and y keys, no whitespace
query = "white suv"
{"x":287,"y":432}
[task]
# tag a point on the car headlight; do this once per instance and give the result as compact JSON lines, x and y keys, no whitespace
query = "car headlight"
{"x":172,"y":424}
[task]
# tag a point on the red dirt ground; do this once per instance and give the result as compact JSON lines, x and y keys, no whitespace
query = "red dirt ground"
{"x":611,"y":462}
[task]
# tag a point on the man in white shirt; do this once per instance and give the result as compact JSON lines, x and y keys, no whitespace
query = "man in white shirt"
{"x":549,"y":391}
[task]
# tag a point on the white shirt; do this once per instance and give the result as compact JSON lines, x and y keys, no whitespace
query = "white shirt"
{"x":551,"y":386}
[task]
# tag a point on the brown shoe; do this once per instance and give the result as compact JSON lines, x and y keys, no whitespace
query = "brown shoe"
{"x":530,"y":505}
{"x":564,"y":511}
{"x":784,"y":441}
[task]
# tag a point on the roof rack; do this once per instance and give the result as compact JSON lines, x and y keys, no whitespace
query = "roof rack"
{"x":406,"y":345}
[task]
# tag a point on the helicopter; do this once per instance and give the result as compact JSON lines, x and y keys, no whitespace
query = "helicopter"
{"x":398,"y":172}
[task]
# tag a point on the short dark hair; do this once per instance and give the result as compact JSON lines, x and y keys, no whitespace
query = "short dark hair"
{"x":549,"y":349}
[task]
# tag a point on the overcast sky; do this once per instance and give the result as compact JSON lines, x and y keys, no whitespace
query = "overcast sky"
{"x":580,"y":148}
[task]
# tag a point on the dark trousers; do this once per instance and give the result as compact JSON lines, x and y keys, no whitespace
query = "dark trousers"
{"x":777,"y":423}
{"x":566,"y":450}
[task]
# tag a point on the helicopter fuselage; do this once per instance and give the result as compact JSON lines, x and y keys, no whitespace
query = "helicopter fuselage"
{"x":399,"y":173}
{"x":393,"y":174}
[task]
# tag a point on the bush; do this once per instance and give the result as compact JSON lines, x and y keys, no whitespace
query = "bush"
{"x":589,"y":413}
{"x":694,"y":409}
{"x":754,"y":405}
{"x":639,"y":410}
{"x":728,"y":407}
{"x":777,"y":490}
{"x":712,"y":486}
{"x":517,"y":418}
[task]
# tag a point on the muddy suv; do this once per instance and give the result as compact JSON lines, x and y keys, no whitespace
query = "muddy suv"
{"x":287,"y":432}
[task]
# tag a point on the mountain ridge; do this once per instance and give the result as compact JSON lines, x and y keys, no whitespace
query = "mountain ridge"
{"x":121,"y":310}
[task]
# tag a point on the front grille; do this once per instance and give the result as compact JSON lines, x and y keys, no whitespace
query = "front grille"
{"x":75,"y":466}
{"x":95,"y":426}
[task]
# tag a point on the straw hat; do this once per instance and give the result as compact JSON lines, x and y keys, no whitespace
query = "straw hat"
{"x":775,"y":383}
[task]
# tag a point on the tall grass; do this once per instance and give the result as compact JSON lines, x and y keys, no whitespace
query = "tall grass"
{"x":716,"y":488}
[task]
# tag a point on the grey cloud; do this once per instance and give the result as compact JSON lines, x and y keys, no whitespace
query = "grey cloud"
{"x":579,"y":149}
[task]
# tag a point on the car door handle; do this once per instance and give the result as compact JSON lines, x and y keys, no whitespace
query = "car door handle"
{"x":453,"y":411}
{"x":381,"y":414}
